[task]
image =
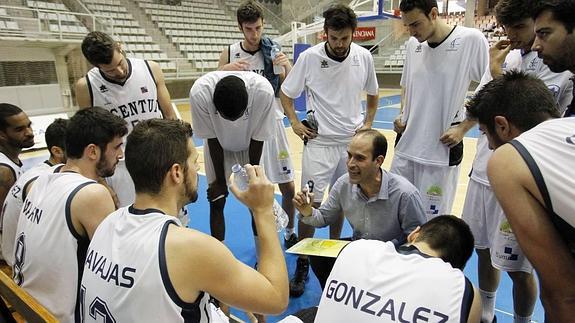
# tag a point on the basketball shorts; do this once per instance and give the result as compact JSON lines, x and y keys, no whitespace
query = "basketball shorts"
{"x":276,"y":158}
{"x":437,"y":184}
{"x":324,"y":165}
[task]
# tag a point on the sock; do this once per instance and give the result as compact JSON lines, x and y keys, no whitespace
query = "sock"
{"x":521,"y":319}
{"x":488,"y":301}
{"x":288,"y":232}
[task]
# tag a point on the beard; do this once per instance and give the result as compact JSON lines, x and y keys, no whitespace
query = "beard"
{"x":103,"y":169}
{"x":190,"y":192}
{"x":21,"y":144}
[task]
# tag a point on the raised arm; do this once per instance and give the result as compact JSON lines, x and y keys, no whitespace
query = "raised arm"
{"x":209,"y":266}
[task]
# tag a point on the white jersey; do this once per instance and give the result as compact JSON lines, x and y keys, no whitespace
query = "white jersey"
{"x":256,"y":59}
{"x":126,"y":273}
{"x":134,"y":100}
{"x":257,"y":123}
{"x":333,"y":89}
{"x":16,"y":168}
{"x":389,"y":285}
{"x":436,"y":81}
{"x":48,"y":252}
{"x":13,"y":205}
{"x":549,"y":152}
{"x":558,"y":83}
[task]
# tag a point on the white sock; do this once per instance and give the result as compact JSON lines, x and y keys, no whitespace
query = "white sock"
{"x":288,"y":232}
{"x":521,"y":319}
{"x":488,"y":301}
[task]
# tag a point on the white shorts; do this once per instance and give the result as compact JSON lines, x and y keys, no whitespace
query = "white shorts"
{"x":479,"y":212}
{"x":230,"y":158}
{"x":276,"y":159}
{"x":121,"y":182}
{"x":324,"y":165}
{"x":437,"y":184}
{"x":506,"y":255}
{"x":491,"y":229}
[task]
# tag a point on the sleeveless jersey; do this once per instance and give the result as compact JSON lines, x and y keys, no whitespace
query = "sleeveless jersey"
{"x":48,"y":252}
{"x":256,"y":60}
{"x":387,"y":285}
{"x":13,"y":205}
{"x":134,"y":100}
{"x":558,"y":83}
{"x":126,"y":277}
{"x":15,"y":168}
{"x":549,"y":152}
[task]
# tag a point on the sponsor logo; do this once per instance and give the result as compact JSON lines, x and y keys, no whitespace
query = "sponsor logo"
{"x":418,"y":48}
{"x":324,"y":64}
{"x":533,"y":64}
{"x":434,"y":190}
{"x":144,"y":89}
{"x":505,"y":227}
{"x":507,"y":254}
{"x":103,"y":89}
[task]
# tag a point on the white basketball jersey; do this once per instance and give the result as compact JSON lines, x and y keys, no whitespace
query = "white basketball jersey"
{"x":256,"y":60}
{"x":549,"y":152}
{"x":558,"y":83}
{"x":13,"y":205}
{"x":48,"y":252}
{"x":387,"y":285}
{"x":16,"y":168}
{"x":134,"y":100}
{"x":126,"y":277}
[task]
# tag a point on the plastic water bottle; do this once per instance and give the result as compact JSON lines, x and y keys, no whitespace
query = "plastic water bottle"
{"x":275,"y":50}
{"x":241,"y":180}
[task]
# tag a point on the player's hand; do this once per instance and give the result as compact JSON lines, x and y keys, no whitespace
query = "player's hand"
{"x":452,"y":136}
{"x":364,"y":127}
{"x":115,"y":198}
{"x":281,"y":60}
{"x":302,"y":131}
{"x":239,"y":65}
{"x":303,"y":202}
{"x":217,"y":190}
{"x":398,"y":125}
{"x":259,"y":196}
{"x":497,"y":54}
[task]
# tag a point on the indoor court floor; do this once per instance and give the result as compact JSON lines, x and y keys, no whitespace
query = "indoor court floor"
{"x":237,"y":216}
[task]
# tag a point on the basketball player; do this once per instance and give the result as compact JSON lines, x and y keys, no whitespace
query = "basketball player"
{"x":496,"y":245}
{"x":62,"y":210}
{"x":234,"y":113}
{"x":441,"y":61}
{"x":505,"y":108}
{"x":130,"y":88}
{"x":55,"y":137}
{"x":253,"y":54}
{"x":417,"y":282}
{"x":164,"y":272}
{"x":334,"y":74}
{"x":531,"y":180}
{"x":15,"y":134}
{"x":555,"y":38}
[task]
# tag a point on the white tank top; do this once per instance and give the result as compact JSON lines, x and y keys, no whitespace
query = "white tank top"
{"x":134,"y":100}
{"x":125,"y":274}
{"x":13,"y":205}
{"x":390,"y":286}
{"x":549,"y":152}
{"x":16,"y":168}
{"x":48,"y":252}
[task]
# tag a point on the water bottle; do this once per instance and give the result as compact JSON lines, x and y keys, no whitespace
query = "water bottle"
{"x":241,"y":180}
{"x":275,"y":50}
